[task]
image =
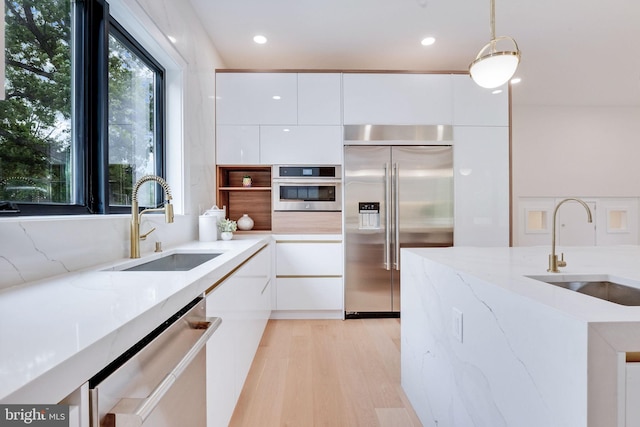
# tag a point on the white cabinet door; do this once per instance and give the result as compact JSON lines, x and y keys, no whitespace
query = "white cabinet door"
{"x":309,"y":258}
{"x":397,"y":99}
{"x":256,"y":98}
{"x":309,"y":293}
{"x":481,"y":183}
{"x":237,"y":145}
{"x":319,"y":99}
{"x":241,"y":301}
{"x":476,"y":106}
{"x":301,"y":144}
{"x":632,"y":395}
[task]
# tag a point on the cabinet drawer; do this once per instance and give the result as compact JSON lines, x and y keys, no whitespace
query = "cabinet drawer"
{"x":309,"y":293}
{"x":309,"y":259}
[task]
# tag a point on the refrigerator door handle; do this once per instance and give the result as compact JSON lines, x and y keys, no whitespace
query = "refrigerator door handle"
{"x":387,"y":218}
{"x":396,"y":215}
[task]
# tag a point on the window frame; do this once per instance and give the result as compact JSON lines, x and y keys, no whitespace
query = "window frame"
{"x":90,"y":49}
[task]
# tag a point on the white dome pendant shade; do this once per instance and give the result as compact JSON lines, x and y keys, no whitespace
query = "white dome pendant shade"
{"x":493,"y":68}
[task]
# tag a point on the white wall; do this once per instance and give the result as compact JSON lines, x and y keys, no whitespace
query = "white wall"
{"x":570,"y":150}
{"x":33,"y":248}
{"x":574,"y":151}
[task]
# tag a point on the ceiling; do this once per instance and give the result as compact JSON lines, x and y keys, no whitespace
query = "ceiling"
{"x":574,"y":52}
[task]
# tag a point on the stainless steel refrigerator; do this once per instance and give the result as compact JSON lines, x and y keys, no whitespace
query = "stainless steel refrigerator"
{"x":394,"y":197}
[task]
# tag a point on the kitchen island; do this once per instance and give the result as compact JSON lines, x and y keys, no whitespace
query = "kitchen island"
{"x":483,"y":344}
{"x":56,"y":333}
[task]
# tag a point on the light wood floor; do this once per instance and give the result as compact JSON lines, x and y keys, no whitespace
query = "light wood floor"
{"x":326,"y":373}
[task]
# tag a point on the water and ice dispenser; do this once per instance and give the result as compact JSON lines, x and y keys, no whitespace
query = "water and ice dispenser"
{"x":369,"y":215}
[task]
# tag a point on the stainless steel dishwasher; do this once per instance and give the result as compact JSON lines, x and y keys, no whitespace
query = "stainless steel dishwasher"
{"x":160,"y":381}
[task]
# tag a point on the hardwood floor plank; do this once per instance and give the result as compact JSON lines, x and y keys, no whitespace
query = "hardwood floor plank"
{"x":326,"y":373}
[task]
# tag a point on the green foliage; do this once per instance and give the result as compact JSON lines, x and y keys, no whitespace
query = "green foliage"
{"x":35,"y":118}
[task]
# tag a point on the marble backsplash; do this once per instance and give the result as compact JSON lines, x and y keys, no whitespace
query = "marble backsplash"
{"x":38,"y":248}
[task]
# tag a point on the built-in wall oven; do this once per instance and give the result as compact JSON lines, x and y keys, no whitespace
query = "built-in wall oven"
{"x":307,"y":188}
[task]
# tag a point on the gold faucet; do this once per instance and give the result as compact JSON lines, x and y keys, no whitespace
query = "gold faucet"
{"x":136,"y":217}
{"x":554,"y":262}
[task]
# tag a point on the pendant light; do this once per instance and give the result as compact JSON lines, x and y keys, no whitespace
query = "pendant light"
{"x":493,"y":68}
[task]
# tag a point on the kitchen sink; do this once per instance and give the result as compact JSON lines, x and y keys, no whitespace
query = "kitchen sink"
{"x":602,"y":287}
{"x":178,"y":261}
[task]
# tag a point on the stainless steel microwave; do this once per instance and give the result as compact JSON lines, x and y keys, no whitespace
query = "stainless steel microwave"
{"x":307,"y":188}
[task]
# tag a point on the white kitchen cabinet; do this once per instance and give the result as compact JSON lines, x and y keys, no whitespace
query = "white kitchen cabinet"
{"x":481,"y":186}
{"x":631,"y":395}
{"x":309,"y":278}
{"x":256,"y":98}
{"x":301,"y":145}
{"x":237,"y":145}
{"x":319,"y":99}
{"x":309,"y":258}
{"x":243,"y":301}
{"x":476,"y":106}
{"x":309,"y":293}
{"x":397,"y":99}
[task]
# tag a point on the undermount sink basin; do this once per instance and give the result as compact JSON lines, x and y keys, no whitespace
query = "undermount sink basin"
{"x":174,"y":262}
{"x":602,"y":287}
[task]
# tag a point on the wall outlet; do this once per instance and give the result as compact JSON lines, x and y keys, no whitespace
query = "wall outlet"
{"x":456,"y":323}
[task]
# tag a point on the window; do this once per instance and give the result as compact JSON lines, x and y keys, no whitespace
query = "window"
{"x":135,"y":119}
{"x":83,"y":116}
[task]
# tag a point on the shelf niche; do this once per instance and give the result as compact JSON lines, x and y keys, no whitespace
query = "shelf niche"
{"x":254,"y":201}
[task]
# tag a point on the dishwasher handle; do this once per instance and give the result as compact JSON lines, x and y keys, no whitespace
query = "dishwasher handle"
{"x":144,"y":406}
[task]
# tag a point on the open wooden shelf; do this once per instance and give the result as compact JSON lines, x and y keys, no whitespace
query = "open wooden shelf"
{"x":254,"y":201}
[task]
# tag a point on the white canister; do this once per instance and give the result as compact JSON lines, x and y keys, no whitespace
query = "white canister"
{"x":208,"y":224}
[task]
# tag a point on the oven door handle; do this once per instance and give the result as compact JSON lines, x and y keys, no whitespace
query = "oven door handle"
{"x":302,"y":182}
{"x":144,"y":406}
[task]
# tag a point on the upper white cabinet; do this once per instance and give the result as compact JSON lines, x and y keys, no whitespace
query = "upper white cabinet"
{"x":481,"y":186}
{"x":301,"y":144}
{"x":256,"y":98}
{"x":398,"y":99}
{"x":319,"y":99}
{"x":477,"y":106}
{"x":275,"y":118}
{"x":237,"y":145}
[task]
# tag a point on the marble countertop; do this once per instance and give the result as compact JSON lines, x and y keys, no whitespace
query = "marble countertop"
{"x":508,"y":268}
{"x":57,"y":333}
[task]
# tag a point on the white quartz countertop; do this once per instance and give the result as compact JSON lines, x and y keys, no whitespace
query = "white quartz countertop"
{"x":508,"y":268}
{"x":57,"y":333}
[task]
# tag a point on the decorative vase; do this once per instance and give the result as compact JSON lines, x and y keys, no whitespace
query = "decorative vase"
{"x":246,"y":181}
{"x":245,"y":222}
{"x":226,"y":235}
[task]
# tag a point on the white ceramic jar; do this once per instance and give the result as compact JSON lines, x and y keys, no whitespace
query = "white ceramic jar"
{"x":245,"y":222}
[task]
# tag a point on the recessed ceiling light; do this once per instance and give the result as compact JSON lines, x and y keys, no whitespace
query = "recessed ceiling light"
{"x":428,"y":41}
{"x":172,"y":39}
{"x":276,"y":97}
{"x":260,"y":39}
{"x":515,"y":80}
